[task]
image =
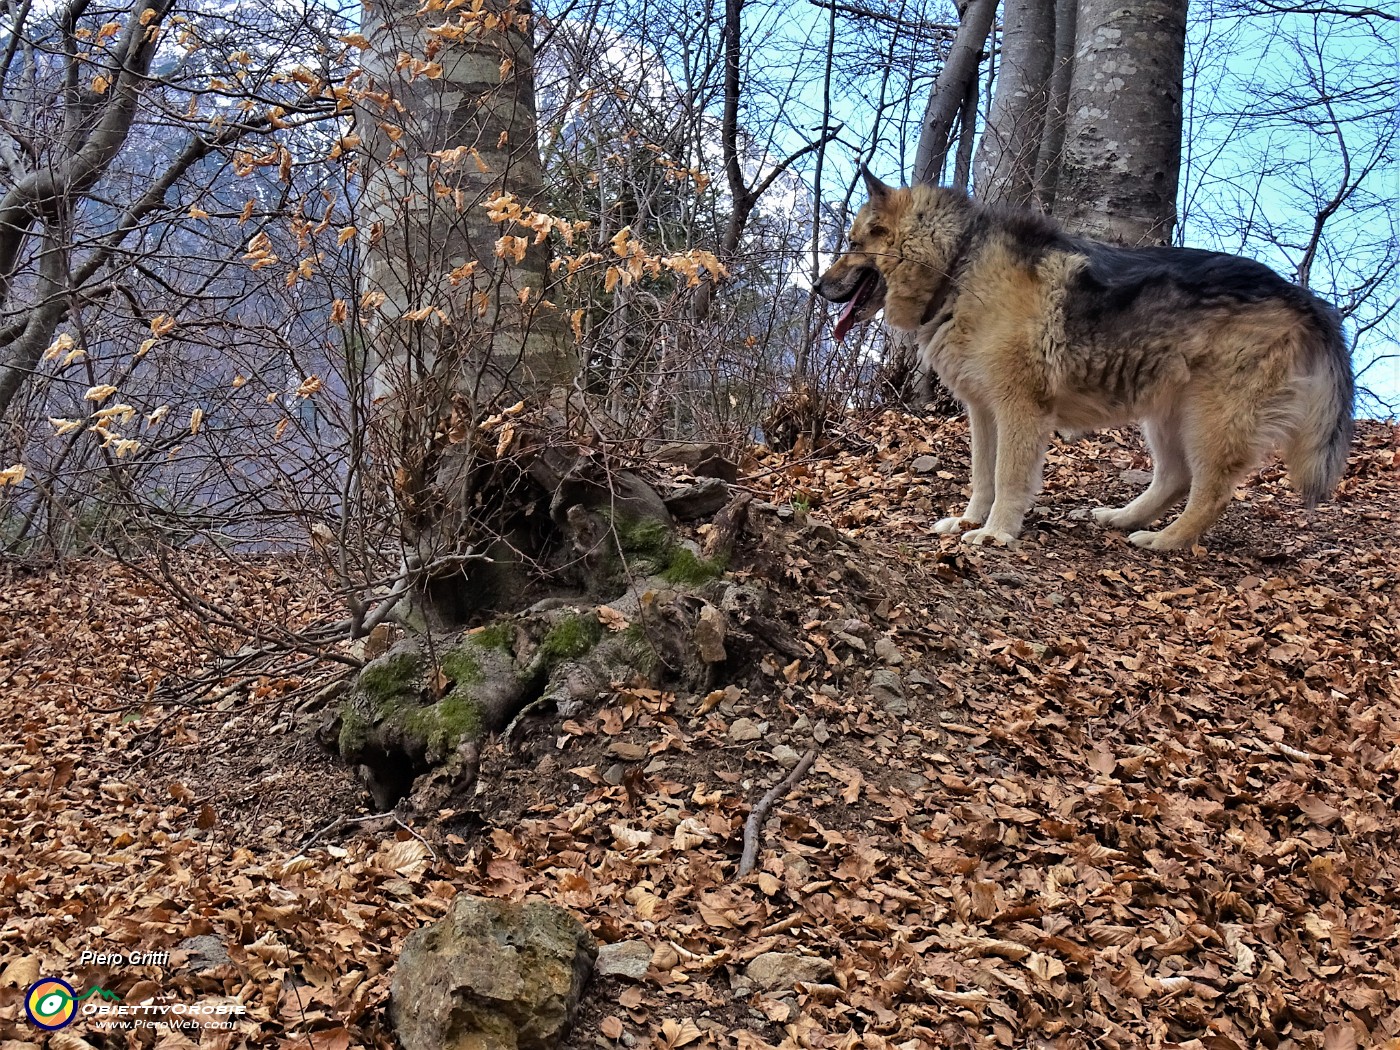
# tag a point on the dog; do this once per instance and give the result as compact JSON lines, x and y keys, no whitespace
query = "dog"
{"x":1219,"y":358}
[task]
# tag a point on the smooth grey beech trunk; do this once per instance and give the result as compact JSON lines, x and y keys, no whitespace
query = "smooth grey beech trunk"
{"x":955,"y":80}
{"x":455,"y":327}
{"x":448,"y":125}
{"x":1122,"y":152}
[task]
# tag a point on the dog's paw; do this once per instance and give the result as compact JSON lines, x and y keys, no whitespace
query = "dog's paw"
{"x":949,"y":526}
{"x":981,"y":537}
{"x":1156,"y":541}
{"x":1109,"y":517}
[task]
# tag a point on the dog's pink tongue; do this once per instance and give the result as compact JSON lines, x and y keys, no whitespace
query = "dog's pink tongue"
{"x":847,"y":320}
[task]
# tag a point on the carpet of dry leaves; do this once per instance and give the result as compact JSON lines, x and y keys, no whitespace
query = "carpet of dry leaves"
{"x":1115,"y":799}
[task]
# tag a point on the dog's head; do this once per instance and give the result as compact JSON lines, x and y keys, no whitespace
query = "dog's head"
{"x":900,"y":254}
{"x":856,"y":278}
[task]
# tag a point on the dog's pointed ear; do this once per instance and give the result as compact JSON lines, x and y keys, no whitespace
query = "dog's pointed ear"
{"x":877,"y":190}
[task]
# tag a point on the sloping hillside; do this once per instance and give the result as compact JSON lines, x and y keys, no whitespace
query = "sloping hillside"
{"x":1068,"y":795}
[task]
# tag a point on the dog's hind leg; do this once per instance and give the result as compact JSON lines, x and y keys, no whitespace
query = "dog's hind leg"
{"x":983,"y":426}
{"x":1171,"y":477}
{"x":1021,"y":436}
{"x":1220,"y":447}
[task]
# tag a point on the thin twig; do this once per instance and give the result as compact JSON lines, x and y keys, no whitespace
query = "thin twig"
{"x":753,"y":827}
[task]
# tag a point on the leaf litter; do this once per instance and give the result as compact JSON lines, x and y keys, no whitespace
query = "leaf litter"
{"x":1067,"y":795}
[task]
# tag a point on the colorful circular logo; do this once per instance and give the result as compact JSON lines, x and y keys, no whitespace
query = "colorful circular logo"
{"x":50,"y":1003}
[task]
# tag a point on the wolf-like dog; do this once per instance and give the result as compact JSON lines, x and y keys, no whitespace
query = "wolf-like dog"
{"x":1219,"y":358}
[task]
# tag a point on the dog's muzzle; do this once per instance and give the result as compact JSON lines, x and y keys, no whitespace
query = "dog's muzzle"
{"x":863,"y":298}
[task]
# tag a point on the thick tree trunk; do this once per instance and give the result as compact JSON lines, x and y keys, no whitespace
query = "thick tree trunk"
{"x":1005,"y":166}
{"x":448,"y":121}
{"x":957,"y":77}
{"x":1122,"y":149}
{"x":458,"y":321}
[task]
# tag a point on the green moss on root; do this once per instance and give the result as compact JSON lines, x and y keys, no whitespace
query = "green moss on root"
{"x":685,"y":568}
{"x":570,"y":638}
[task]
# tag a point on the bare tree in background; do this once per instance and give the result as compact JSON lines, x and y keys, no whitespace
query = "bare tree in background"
{"x":1008,"y":155}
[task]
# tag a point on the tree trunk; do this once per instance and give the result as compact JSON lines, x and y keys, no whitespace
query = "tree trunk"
{"x":1052,"y":143}
{"x":1123,"y":127}
{"x":458,"y":320}
{"x":957,"y":77}
{"x":1005,"y":166}
{"x":448,"y":122}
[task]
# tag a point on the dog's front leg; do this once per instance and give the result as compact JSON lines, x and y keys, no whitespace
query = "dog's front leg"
{"x":1020,"y":438}
{"x":983,"y":426}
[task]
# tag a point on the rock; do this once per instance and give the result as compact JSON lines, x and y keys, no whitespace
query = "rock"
{"x":702,"y":458}
{"x":773,"y":971}
{"x":926,"y":464}
{"x":744,"y":730}
{"x":887,"y":651}
{"x":492,"y":975}
{"x":709,"y":634}
{"x":785,"y":756}
{"x":204,"y":952}
{"x":1135,"y":477}
{"x":888,"y":690}
{"x":624,"y":959}
{"x":699,"y":500}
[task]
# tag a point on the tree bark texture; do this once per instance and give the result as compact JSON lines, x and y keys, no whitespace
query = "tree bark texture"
{"x":1122,"y":149}
{"x":1052,"y":142}
{"x":448,"y":125}
{"x":457,"y":319}
{"x":1005,"y":165}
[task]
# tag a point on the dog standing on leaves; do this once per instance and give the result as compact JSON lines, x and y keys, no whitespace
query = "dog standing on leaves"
{"x":1218,"y":357}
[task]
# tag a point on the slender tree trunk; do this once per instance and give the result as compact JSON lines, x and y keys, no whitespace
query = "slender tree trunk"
{"x":955,"y":79}
{"x":1122,"y":150}
{"x":1005,"y":166}
{"x":1052,"y":143}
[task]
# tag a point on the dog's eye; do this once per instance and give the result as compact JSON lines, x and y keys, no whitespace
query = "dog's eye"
{"x":879,"y":231}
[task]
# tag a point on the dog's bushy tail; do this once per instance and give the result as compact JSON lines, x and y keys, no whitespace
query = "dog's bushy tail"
{"x":1316,"y":451}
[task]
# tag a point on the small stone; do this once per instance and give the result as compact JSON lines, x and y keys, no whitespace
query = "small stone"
{"x":888,"y":690}
{"x":926,"y":464}
{"x":744,"y":730}
{"x":624,"y":959}
{"x":887,"y":651}
{"x":782,"y":970}
{"x":851,"y":640}
{"x":699,"y":500}
{"x":821,"y":733}
{"x":709,"y":634}
{"x":785,"y":756}
{"x":1135,"y":477}
{"x":859,"y":628}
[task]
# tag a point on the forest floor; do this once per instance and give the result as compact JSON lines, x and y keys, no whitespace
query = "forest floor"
{"x":1071,"y":794}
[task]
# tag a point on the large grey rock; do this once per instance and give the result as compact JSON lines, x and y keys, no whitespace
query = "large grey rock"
{"x":492,"y":975}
